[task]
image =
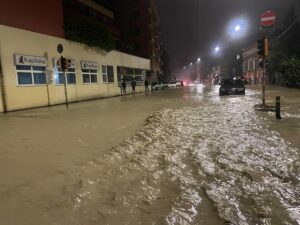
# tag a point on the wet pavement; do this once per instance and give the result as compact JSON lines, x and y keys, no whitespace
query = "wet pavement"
{"x":179,"y":156}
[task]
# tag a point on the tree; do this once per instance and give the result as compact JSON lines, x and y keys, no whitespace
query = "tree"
{"x":291,"y":71}
{"x":285,"y":51}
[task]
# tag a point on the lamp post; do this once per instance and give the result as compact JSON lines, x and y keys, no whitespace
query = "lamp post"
{"x":198,"y":69}
{"x":217,"y":49}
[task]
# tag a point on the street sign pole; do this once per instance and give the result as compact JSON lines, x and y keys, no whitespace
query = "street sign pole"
{"x":65,"y":88}
{"x":264,"y":88}
{"x":62,"y":60}
{"x":264,"y":81}
{"x":267,"y":20}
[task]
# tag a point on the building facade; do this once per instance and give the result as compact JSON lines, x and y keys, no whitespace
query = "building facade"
{"x":252,"y":73}
{"x":134,"y":24}
{"x":30,"y":75}
{"x":101,"y":11}
{"x":139,"y":24}
{"x":45,"y":17}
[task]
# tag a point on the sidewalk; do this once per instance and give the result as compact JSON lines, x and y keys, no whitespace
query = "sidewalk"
{"x":289,"y":126}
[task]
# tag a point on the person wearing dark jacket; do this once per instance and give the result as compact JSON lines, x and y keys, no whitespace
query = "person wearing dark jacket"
{"x":147,"y":85}
{"x":123,"y":84}
{"x":133,"y":85}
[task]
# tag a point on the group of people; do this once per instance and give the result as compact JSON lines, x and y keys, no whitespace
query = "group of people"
{"x":133,"y":86}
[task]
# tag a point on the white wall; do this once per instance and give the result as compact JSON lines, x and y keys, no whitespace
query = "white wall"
{"x":17,"y":41}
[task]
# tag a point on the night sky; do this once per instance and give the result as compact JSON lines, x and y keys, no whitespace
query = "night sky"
{"x":191,"y":28}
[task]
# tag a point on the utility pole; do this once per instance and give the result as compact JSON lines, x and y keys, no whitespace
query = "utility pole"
{"x":267,"y":20}
{"x":64,"y":65}
{"x":64,"y":68}
{"x":263,"y":52}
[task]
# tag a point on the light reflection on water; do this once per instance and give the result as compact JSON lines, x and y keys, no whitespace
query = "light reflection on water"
{"x":212,"y":164}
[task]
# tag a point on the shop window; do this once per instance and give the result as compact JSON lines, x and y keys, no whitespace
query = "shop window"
{"x":70,"y":75}
{"x":119,"y":73}
{"x":108,"y":74}
{"x":31,"y":75}
{"x":137,"y":72}
{"x":131,"y":73}
{"x":89,"y":76}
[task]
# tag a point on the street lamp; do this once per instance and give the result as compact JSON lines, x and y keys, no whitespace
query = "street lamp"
{"x":191,"y":64}
{"x":198,"y":60}
{"x":217,"y":49}
{"x":237,"y":28}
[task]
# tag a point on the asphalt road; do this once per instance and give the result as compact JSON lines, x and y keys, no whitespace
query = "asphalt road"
{"x":179,"y":156}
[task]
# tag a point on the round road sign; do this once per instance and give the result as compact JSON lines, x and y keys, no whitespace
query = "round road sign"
{"x":60,"y":48}
{"x":268,"y":19}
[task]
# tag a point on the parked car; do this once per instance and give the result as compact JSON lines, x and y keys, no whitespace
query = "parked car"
{"x":232,"y":87}
{"x":175,"y":84}
{"x":180,"y":83}
{"x":158,"y":86}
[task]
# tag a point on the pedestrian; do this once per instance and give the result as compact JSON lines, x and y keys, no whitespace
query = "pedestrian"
{"x":123,"y":86}
{"x":147,"y":85}
{"x":133,"y":85}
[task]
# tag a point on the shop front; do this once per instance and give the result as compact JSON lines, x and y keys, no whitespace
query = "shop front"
{"x":32,"y":76}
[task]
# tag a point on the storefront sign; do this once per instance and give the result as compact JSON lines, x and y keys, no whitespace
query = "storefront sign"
{"x":30,"y":60}
{"x":72,"y":64}
{"x":89,"y":65}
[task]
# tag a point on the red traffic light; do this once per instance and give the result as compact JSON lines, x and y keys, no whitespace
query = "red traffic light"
{"x":65,"y":63}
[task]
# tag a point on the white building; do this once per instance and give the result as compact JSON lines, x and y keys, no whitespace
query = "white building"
{"x":30,"y":76}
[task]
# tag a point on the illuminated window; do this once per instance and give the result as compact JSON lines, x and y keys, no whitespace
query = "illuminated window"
{"x":70,"y":75}
{"x":31,"y":75}
{"x":59,"y":77}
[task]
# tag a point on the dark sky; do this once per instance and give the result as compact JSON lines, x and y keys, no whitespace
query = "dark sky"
{"x":192,"y":27}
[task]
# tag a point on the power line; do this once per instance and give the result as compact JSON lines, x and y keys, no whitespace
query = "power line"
{"x":287,"y":30}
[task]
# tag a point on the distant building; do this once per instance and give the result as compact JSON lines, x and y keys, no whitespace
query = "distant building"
{"x":165,"y":67}
{"x":139,"y":24}
{"x":102,"y":11}
{"x":134,"y":24}
{"x":251,"y":71}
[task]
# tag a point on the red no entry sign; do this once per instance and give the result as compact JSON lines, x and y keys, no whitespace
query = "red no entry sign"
{"x":268,"y":19}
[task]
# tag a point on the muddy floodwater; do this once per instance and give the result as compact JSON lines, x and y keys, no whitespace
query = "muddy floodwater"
{"x":181,"y":156}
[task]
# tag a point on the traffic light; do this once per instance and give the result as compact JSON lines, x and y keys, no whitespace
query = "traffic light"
{"x":65,"y":63}
{"x":261,"y":47}
{"x":266,"y":45}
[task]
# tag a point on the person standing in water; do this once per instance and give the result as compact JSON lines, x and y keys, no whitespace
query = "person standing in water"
{"x":123,"y":84}
{"x":133,"y":85}
{"x":147,"y":85}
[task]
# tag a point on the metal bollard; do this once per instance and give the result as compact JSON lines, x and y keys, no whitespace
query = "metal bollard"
{"x":278,"y":116}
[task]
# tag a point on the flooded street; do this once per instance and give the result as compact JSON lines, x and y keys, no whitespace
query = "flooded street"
{"x":177,"y":157}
